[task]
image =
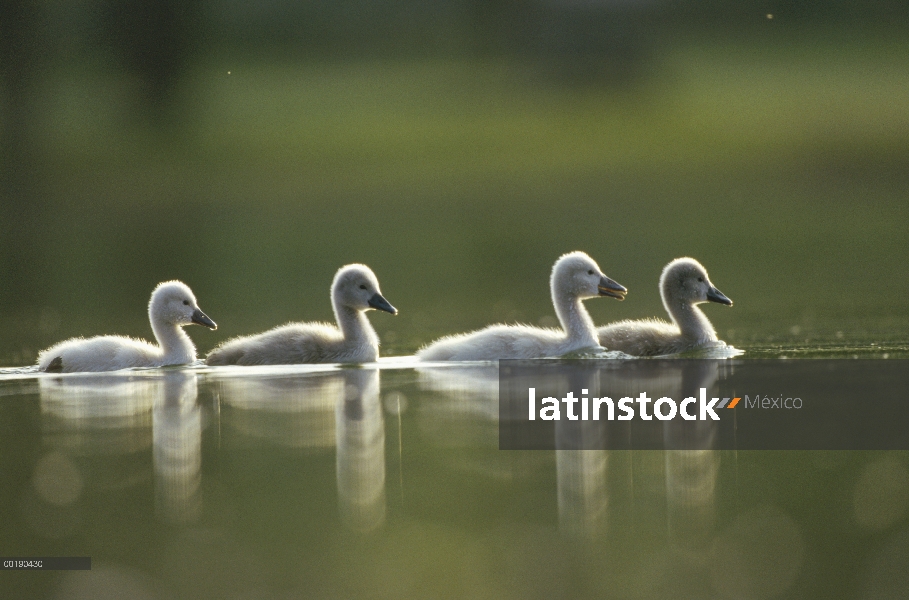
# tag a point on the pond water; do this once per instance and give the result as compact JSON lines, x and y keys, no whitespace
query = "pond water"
{"x":386,"y":481}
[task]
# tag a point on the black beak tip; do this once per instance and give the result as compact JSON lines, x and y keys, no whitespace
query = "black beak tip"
{"x":200,"y":318}
{"x":379,"y":303}
{"x":715,"y":295}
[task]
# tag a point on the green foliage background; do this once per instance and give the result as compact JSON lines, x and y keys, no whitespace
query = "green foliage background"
{"x":776,"y":155}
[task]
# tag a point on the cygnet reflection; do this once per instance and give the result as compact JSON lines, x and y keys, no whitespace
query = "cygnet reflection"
{"x":361,"y":451}
{"x":472,"y":390}
{"x":691,"y":483}
{"x":672,"y":473}
{"x":593,"y":483}
{"x":119,"y":417}
{"x":583,"y":492}
{"x":177,"y":430}
{"x":98,"y":414}
{"x":460,"y":409}
{"x":318,"y":411}
{"x":464,"y":410}
{"x":581,"y":475}
{"x":296,"y":411}
{"x":671,"y":378}
{"x":691,"y":465}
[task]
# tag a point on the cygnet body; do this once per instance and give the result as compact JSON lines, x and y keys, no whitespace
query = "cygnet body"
{"x":575,"y":277}
{"x":354,"y":290}
{"x":683,"y":285}
{"x":172,"y":306}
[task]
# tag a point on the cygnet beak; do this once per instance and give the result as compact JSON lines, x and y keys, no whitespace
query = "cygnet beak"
{"x":380,"y":303}
{"x":608,"y":287}
{"x":200,"y":318}
{"x":715,"y":295}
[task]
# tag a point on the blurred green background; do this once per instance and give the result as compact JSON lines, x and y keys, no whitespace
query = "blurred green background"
{"x":458,"y":148}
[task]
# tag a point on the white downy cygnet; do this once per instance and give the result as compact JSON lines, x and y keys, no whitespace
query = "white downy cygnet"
{"x":354,"y":290}
{"x":172,"y":306}
{"x":575,"y":277}
{"x":683,"y":285}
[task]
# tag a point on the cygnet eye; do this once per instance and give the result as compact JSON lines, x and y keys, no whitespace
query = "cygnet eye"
{"x":590,"y":272}
{"x":362,"y":286}
{"x":186,"y":303}
{"x":701,"y":279}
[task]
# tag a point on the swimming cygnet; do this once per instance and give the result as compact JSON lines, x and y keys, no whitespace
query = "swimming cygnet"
{"x":683,"y":285}
{"x":172,"y":306}
{"x":354,"y":290}
{"x":575,"y":277}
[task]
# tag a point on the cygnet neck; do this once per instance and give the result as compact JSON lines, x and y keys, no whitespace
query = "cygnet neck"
{"x":354,"y":325}
{"x":176,"y":347}
{"x":574,"y":318}
{"x":692,"y":322}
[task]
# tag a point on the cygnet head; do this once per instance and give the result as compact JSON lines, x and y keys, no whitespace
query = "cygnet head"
{"x":579,"y":276}
{"x":356,"y":287}
{"x":685,"y":280}
{"x":173,"y":303}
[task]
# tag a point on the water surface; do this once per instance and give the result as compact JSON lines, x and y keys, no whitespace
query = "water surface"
{"x":385,"y":481}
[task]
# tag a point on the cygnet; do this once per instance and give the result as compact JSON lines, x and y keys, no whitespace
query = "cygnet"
{"x":354,"y":290}
{"x":172,"y":306}
{"x":575,"y":277}
{"x":683,"y":285}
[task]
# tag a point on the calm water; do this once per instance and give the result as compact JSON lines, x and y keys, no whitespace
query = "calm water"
{"x":387,"y":482}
